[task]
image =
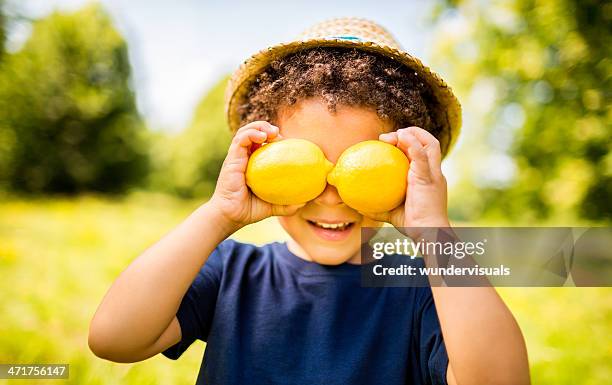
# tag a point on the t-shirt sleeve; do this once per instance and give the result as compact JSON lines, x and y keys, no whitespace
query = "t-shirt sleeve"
{"x":197,"y":307}
{"x":432,"y":351}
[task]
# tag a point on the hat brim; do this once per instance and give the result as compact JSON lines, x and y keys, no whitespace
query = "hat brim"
{"x":449,"y":108}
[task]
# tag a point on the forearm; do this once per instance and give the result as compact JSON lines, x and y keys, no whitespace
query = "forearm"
{"x":482,"y":338}
{"x":144,"y":299}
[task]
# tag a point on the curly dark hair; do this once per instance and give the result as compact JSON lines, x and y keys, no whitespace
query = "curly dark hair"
{"x":343,"y":76}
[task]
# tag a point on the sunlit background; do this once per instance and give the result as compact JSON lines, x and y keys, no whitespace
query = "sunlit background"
{"x":112,"y":131}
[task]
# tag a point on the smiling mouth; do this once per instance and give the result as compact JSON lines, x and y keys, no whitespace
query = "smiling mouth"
{"x":339,"y":226}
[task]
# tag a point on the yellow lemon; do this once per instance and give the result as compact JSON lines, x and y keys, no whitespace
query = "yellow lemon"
{"x":371,"y":176}
{"x":290,"y":171}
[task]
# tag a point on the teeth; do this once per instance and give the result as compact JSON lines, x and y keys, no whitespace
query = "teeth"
{"x":333,"y":225}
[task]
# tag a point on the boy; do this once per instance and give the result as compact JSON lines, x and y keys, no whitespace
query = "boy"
{"x":296,"y":313}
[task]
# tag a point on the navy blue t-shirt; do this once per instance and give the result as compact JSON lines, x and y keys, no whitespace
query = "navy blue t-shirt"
{"x":270,"y":317}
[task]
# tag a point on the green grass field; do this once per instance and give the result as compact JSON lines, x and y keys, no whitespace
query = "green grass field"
{"x":58,"y":256}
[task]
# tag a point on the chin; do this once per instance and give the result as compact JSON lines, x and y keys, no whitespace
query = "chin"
{"x":331,"y":254}
{"x":331,"y":258}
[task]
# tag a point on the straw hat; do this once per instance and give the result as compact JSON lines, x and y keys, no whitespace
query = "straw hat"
{"x":346,"y":32}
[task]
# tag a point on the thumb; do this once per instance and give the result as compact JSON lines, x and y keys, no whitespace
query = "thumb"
{"x":282,"y":210}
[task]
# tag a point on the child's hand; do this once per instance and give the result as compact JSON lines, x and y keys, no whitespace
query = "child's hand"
{"x":425,"y":204}
{"x":232,"y":198}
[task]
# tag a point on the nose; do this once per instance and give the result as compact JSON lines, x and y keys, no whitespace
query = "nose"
{"x":329,"y":197}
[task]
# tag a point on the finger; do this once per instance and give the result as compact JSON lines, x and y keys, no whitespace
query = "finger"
{"x":242,"y":142}
{"x":250,"y":136}
{"x":389,"y":137}
{"x":432,"y":148}
{"x":424,"y":136}
{"x":271,"y":130}
{"x":255,"y":146}
{"x":419,"y":162}
{"x":394,"y":217}
{"x":435,"y":159}
{"x":380,"y":217}
{"x":282,"y":210}
{"x":275,"y":138}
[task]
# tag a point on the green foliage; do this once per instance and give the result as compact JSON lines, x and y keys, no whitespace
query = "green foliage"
{"x":2,"y":29}
{"x":188,"y":164}
{"x":68,"y":120}
{"x":535,"y":80}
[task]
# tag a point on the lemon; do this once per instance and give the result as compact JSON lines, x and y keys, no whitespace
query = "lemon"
{"x":371,"y":176}
{"x":290,"y":171}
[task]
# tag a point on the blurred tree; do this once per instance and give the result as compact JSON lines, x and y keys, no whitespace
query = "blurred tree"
{"x":2,"y":29}
{"x":68,"y":120}
{"x":188,"y":164}
{"x":535,"y":79}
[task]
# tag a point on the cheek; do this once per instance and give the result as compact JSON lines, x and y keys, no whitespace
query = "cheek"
{"x":290,"y":222}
